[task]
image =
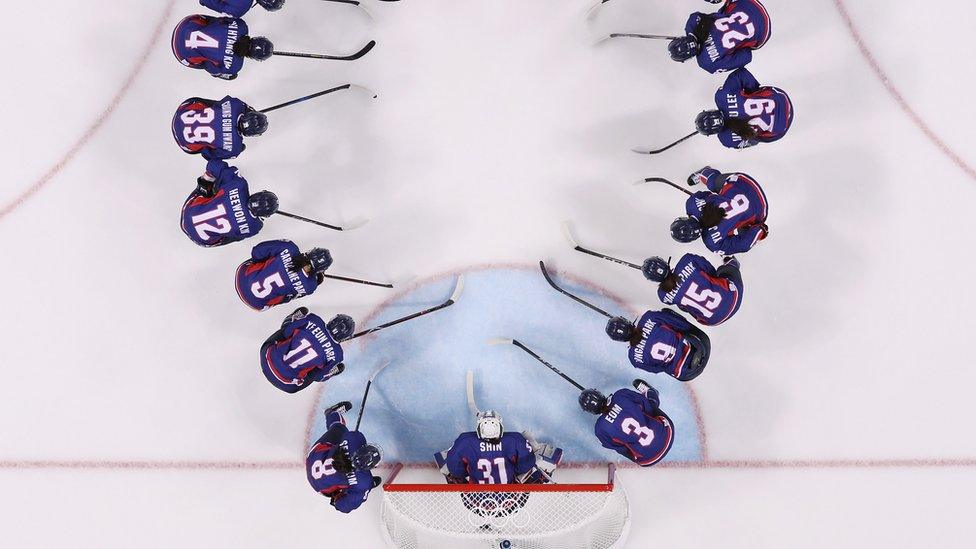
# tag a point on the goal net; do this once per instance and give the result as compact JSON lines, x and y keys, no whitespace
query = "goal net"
{"x":539,"y":516}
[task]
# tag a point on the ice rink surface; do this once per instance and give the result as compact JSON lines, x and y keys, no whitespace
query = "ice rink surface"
{"x":836,"y":409}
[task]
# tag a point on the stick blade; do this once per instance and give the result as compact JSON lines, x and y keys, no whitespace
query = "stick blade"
{"x":501,"y":341}
{"x":568,"y":233}
{"x":469,"y":391}
{"x":355,"y":224}
{"x":458,"y":289}
{"x":645,"y":151}
{"x":372,"y":94}
{"x":377,"y":371}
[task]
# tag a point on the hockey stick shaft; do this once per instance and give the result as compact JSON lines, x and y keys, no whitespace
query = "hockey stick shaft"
{"x":581,"y":301}
{"x":587,"y":251}
{"x":351,"y":57}
{"x":306,"y":98}
{"x":359,"y":281}
{"x":519,"y":344}
{"x":446,"y":304}
{"x":667,"y":182}
{"x":312,"y":221}
{"x":672,"y":145}
{"x":645,"y":36}
{"x":369,"y":383}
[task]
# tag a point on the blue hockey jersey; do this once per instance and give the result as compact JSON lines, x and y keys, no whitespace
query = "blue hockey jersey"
{"x":304,"y":353}
{"x":236,"y":8}
{"x":209,"y":127}
{"x":224,"y":217}
{"x":662,"y":346}
{"x":481,"y":462}
{"x":347,"y":491}
{"x":635,"y":428}
{"x":745,"y":208}
{"x":207,"y":43}
{"x":269,"y":277}
{"x":703,"y":294}
{"x":738,"y":28}
{"x":766,"y":108}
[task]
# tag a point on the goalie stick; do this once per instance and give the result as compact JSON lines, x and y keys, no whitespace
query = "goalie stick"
{"x":351,"y":226}
{"x":662,"y":149}
{"x":455,"y":295}
{"x":469,"y":389}
{"x":362,"y":406}
{"x":319,"y":94}
{"x":579,"y":300}
{"x":665,"y":181}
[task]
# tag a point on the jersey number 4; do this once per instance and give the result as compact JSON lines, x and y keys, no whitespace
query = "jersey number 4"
{"x":198,"y":39}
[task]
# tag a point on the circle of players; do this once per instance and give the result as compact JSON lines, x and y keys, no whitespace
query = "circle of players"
{"x":729,"y":216}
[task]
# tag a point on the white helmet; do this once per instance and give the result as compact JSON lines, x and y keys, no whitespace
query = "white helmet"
{"x":490,"y":428}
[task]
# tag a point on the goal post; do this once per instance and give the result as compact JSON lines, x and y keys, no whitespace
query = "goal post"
{"x":527,"y":516}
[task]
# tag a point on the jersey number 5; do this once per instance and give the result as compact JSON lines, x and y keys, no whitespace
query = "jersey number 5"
{"x":263,"y":290}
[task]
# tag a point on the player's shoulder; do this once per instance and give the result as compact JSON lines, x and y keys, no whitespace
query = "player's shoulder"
{"x":513,"y":437}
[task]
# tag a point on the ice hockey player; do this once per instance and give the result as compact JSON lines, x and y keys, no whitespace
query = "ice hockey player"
{"x":748,"y":113}
{"x":723,"y":41}
{"x":339,"y":463}
{"x":663,"y":342}
{"x":730,"y":217}
{"x":489,"y":455}
{"x":306,"y":349}
{"x":217,"y":45}
{"x":631,"y":423}
{"x":216,"y":129}
{"x":221,"y":210}
{"x":237,"y":8}
{"x":695,"y":287}
{"x":278,"y":272}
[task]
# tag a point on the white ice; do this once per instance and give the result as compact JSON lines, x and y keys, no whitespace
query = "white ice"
{"x":122,"y":342}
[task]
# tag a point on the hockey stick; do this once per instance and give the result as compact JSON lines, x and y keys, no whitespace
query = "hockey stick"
{"x":458,"y":288}
{"x":545,"y":273}
{"x":472,"y":405}
{"x":358,"y":281}
{"x":362,"y":406}
{"x":351,"y":57}
{"x":519,"y":344}
{"x":591,"y":13}
{"x":661,"y":150}
{"x":349,"y":227}
{"x":569,"y":236}
{"x":635,"y":35}
{"x":662,"y":180}
{"x":318,"y":94}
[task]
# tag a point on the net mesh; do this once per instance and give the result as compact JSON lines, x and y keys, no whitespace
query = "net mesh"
{"x":420,"y":518}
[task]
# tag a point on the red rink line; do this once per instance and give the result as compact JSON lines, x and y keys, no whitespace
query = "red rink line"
{"x":99,"y":120}
{"x":76,"y":465}
{"x":897,"y":96}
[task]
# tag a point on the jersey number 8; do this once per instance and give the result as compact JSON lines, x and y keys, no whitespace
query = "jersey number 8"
{"x":322,"y":469}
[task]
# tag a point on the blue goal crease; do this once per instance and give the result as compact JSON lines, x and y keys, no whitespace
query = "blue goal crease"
{"x":418,"y":405}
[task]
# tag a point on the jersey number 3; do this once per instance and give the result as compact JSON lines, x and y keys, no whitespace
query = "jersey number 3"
{"x":630,"y":426}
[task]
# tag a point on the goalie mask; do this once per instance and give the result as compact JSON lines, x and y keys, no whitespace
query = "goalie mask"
{"x":490,"y":428}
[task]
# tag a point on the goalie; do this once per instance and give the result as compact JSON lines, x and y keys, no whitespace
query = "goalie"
{"x":489,"y":455}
